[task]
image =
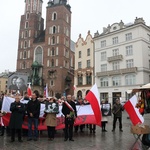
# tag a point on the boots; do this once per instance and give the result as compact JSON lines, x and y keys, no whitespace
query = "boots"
{"x":2,"y":130}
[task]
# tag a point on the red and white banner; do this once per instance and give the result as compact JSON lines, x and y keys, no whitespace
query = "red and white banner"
{"x":46,"y":91}
{"x":29,"y":90}
{"x":94,"y":99}
{"x":85,"y":115}
{"x":134,"y":114}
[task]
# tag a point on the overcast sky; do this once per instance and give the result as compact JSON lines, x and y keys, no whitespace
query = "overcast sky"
{"x":87,"y":15}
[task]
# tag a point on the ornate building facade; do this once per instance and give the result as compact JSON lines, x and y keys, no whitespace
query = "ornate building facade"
{"x":45,"y":54}
{"x":84,"y":65}
{"x":122,"y":59}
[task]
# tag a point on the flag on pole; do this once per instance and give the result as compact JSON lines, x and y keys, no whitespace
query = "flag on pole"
{"x":74,"y":87}
{"x":46,"y":91}
{"x":29,"y":90}
{"x":133,"y":112}
{"x":94,"y":99}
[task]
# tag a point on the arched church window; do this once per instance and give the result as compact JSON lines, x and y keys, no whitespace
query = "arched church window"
{"x":25,"y":44}
{"x":38,"y":55}
{"x":24,"y":65}
{"x":25,"y":54}
{"x":52,"y":62}
{"x":27,"y":16}
{"x":53,"y":40}
{"x":26,"y":33}
{"x":53,"y":51}
{"x":26,"y":25}
{"x":54,"y":29}
{"x":54,"y":16}
{"x":67,"y":18}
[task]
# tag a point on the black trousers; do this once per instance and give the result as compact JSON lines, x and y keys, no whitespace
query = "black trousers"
{"x":13,"y":131}
{"x":81,"y":127}
{"x":51,"y":131}
{"x":92,"y":127}
{"x":2,"y":128}
{"x":68,"y":131}
{"x":115,"y":120}
{"x":103,"y":125}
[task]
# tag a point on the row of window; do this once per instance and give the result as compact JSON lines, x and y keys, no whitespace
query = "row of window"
{"x":54,"y":14}
{"x":88,"y":80}
{"x":88,"y":64}
{"x":26,"y":54}
{"x":51,"y":41}
{"x":115,"y":52}
{"x":50,"y":63}
{"x":116,"y":65}
{"x":87,"y":53}
{"x":33,"y":6}
{"x":54,"y":17}
{"x":116,"y":80}
{"x":115,"y":40}
{"x":54,"y":63}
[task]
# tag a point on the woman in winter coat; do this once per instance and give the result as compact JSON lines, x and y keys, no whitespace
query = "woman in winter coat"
{"x":16,"y":119}
{"x":51,"y":109}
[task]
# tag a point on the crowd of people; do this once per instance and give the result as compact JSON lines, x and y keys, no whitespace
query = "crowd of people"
{"x":68,"y":103}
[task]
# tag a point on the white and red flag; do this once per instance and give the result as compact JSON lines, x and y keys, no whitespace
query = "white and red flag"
{"x":74,"y":87}
{"x":29,"y":90}
{"x":46,"y":91}
{"x":94,"y":99}
{"x":133,"y":112}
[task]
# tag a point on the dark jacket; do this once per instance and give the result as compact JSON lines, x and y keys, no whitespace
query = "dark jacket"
{"x":117,"y":110}
{"x":16,"y":119}
{"x":34,"y":108}
{"x":66,"y":111}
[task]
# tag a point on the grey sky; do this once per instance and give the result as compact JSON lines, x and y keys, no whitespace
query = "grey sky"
{"x":87,"y":15}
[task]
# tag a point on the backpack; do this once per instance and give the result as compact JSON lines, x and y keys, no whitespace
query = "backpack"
{"x":146,"y":139}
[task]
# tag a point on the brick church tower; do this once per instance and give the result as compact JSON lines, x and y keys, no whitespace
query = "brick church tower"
{"x":45,"y":54}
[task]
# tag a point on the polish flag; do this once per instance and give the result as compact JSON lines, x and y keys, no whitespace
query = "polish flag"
{"x":29,"y":90}
{"x":74,"y":87}
{"x":94,"y":99}
{"x":133,"y":112}
{"x":46,"y":91}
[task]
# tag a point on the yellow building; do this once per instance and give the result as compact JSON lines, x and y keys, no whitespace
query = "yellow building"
{"x":3,"y":83}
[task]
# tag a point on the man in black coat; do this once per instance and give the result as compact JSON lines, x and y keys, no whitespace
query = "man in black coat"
{"x":17,"y":112}
{"x":70,"y":114}
{"x":33,"y":111}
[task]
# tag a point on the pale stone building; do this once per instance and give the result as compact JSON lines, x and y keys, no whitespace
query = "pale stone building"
{"x":122,"y":59}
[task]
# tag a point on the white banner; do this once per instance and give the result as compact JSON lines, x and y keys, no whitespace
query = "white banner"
{"x":81,"y":110}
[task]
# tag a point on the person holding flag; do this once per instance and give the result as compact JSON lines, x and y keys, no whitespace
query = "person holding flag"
{"x":70,"y":113}
{"x":93,"y":98}
{"x":46,"y":91}
{"x":29,"y":91}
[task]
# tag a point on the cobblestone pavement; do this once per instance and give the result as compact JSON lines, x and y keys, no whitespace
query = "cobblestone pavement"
{"x":83,"y":141}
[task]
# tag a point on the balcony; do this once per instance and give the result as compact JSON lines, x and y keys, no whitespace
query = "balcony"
{"x":117,"y":72}
{"x":115,"y":58}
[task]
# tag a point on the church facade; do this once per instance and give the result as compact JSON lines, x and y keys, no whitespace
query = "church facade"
{"x":44,"y":52}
